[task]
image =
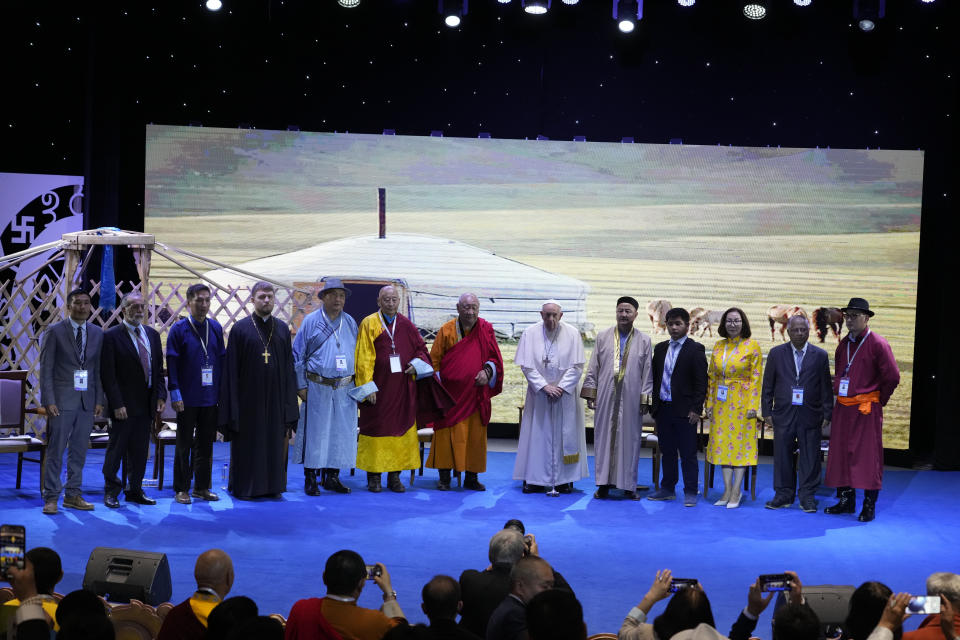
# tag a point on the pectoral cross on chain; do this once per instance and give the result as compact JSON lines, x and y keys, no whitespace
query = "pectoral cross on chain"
{"x":546,"y":358}
{"x":266,"y":356}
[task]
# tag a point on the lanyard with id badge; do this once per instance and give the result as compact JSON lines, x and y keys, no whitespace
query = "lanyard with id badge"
{"x":722,"y":388}
{"x":81,"y":377}
{"x":395,"y":366}
{"x":796,"y":392}
{"x":340,"y":359}
{"x":844,"y":387}
{"x":206,"y":371}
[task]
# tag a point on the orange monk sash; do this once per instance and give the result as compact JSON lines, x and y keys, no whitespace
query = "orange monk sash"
{"x":865,"y":400}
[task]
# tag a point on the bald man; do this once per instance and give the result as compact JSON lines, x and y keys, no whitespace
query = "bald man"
{"x":188,"y":620}
{"x":391,"y":358}
{"x":466,"y":354}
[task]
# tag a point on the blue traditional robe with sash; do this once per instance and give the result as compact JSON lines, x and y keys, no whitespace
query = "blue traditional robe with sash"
{"x":327,"y":431}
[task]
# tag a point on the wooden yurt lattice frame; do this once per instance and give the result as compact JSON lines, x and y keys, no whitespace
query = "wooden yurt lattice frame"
{"x":36,"y":304}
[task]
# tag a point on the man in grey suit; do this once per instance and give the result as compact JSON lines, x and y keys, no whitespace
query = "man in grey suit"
{"x":797,"y":402}
{"x":71,"y":392}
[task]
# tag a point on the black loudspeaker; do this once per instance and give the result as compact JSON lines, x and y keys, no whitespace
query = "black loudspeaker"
{"x":829,"y":601}
{"x":120,"y":575}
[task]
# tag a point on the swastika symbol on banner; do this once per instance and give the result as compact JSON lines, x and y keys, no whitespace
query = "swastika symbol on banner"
{"x":24,"y":225}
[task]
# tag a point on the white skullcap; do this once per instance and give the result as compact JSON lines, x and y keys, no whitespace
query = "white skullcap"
{"x":551,"y":301}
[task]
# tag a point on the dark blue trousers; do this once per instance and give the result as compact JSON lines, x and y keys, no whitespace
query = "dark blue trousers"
{"x":677,"y":436}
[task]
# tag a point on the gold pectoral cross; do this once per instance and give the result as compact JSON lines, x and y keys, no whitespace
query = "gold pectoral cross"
{"x":266,"y":356}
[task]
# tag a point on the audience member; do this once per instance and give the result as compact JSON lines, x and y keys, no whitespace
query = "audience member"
{"x":188,"y":620}
{"x":345,"y":575}
{"x":442,"y":603}
{"x":259,"y":628}
{"x":866,"y":607}
{"x":688,"y":608}
{"x":483,"y":591}
{"x":230,"y":615}
{"x":796,"y":621}
{"x":528,"y":577}
{"x":555,"y":614}
{"x":33,"y":588}
{"x":943,"y":625}
{"x":82,"y":615}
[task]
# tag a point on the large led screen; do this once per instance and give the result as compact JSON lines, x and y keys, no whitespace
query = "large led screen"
{"x":521,"y":221}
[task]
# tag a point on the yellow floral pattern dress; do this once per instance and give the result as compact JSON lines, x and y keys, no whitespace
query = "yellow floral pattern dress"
{"x":735,"y":363}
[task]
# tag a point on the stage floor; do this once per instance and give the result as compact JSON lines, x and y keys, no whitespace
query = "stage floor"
{"x":607,"y":550}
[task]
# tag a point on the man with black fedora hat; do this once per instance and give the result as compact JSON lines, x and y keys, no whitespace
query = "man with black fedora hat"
{"x":323,"y":357}
{"x":865,"y":377}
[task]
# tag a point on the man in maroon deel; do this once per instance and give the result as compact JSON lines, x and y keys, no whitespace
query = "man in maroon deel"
{"x":865,"y":377}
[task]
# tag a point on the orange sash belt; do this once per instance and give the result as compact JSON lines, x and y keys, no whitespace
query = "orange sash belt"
{"x":865,"y":400}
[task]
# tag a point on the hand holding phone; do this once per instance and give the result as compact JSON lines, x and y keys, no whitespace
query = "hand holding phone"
{"x":13,"y":548}
{"x":374,"y":571}
{"x":775,"y":582}
{"x":923,"y":605}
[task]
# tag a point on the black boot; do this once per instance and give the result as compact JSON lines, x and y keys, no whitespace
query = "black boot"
{"x":331,"y":481}
{"x":847,"y":504}
{"x":443,"y":484}
{"x":472,"y":482}
{"x":393,"y":482}
{"x":310,"y":482}
{"x":868,"y":512}
{"x":373,"y":482}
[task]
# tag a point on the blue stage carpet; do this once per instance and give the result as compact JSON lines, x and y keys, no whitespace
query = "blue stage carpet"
{"x":607,"y":550}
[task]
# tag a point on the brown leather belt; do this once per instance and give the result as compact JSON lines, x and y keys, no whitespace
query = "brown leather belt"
{"x":330,"y":382}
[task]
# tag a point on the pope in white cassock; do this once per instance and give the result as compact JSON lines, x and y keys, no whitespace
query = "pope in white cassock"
{"x":552,"y":452}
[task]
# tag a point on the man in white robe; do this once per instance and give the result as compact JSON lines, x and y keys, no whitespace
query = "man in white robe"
{"x":618,"y":385}
{"x":552,"y":452}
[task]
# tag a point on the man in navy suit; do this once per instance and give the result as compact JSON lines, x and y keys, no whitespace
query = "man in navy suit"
{"x":679,"y":390}
{"x":71,"y":394}
{"x":797,"y":402}
{"x":133,"y":381}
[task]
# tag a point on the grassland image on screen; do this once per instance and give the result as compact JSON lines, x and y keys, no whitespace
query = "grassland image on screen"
{"x":708,"y":227}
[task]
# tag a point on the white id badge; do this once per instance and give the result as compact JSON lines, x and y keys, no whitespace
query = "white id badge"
{"x":797,"y":393}
{"x":342,"y":363}
{"x":722,"y":393}
{"x":206,"y":376}
{"x":395,"y":364}
{"x":844,"y":385}
{"x":80,"y":380}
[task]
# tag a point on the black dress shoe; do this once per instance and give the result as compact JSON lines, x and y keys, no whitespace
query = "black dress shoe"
{"x":778,"y":502}
{"x":139,"y":498}
{"x":533,"y":488}
{"x":602,"y":492}
{"x":443,"y":486}
{"x":565,"y":488}
{"x":205,"y":494}
{"x":474,"y":485}
{"x":111,"y":501}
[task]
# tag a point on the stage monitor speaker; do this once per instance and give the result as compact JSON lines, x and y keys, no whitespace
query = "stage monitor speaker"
{"x":829,"y":601}
{"x":120,"y":575}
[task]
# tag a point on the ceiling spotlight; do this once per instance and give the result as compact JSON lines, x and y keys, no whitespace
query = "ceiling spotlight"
{"x":686,"y":3}
{"x":755,"y":9}
{"x":868,"y":12}
{"x":452,"y":11}
{"x":349,"y":4}
{"x":504,"y":1}
{"x":536,"y":7}
{"x":626,"y":13}
{"x":214,"y":5}
{"x":802,"y":3}
{"x":571,"y":1}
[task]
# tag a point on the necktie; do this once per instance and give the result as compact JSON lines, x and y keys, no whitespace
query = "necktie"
{"x":80,"y":354}
{"x":144,"y":362}
{"x":669,"y":362}
{"x":799,"y":358}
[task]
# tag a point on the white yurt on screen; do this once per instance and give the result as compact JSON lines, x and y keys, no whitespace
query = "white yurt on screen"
{"x":434,"y":272}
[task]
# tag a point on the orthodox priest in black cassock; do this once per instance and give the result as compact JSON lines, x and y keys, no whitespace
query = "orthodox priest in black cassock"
{"x":261,"y":405}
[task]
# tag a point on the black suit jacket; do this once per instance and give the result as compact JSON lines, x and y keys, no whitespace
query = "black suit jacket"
{"x":779,"y":378}
{"x":688,"y":384}
{"x":123,"y":380}
{"x":509,"y":620}
{"x":483,"y":591}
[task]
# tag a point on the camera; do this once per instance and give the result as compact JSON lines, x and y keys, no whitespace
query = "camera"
{"x":374,"y":571}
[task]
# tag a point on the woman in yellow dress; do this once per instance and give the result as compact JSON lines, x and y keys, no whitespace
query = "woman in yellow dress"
{"x":733,"y":400}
